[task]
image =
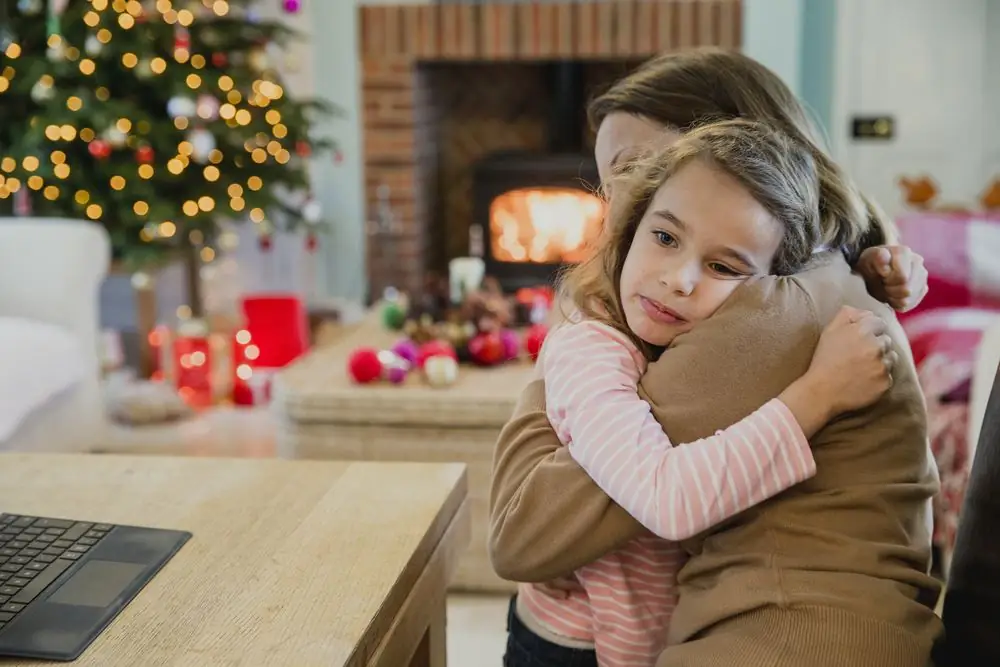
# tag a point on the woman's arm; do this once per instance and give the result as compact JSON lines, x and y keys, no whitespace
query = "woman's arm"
{"x":591,"y":382}
{"x":547,"y":517}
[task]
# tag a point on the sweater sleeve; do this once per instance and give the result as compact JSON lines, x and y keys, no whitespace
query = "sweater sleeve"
{"x":547,"y":517}
{"x":592,"y":375}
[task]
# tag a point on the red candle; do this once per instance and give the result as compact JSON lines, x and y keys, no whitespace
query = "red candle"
{"x":193,"y":369}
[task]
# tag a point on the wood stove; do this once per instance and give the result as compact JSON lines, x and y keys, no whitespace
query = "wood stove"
{"x":536,"y":213}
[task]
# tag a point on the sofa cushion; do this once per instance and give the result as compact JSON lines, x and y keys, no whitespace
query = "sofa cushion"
{"x":37,"y":362}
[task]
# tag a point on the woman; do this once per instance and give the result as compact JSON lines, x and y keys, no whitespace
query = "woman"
{"x":831,"y":573}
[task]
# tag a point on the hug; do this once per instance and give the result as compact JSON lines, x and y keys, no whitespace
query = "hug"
{"x":723,"y":458}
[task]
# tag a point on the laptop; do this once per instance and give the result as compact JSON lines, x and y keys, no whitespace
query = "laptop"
{"x":62,"y":581}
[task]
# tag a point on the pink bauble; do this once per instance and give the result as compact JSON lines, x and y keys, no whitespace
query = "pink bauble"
{"x":511,"y":345}
{"x":408,"y":350}
{"x":364,"y":366}
{"x":394,"y":367}
{"x":487,"y":349}
{"x":533,"y":339}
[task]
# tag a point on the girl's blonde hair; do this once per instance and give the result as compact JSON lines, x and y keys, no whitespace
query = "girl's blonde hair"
{"x":689,"y":88}
{"x":779,"y":172}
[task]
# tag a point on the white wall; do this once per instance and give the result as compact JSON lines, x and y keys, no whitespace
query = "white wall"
{"x":772,"y":34}
{"x":992,"y":88}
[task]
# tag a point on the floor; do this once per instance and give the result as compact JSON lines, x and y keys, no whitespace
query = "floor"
{"x":476,"y":624}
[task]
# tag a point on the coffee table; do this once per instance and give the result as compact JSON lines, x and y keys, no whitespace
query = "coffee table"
{"x":321,"y":414}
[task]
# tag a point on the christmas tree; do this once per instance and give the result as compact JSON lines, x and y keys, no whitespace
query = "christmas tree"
{"x":158,"y":120}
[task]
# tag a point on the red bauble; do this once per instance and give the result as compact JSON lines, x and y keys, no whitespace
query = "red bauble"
{"x":220,"y":59}
{"x":144,"y":154}
{"x":99,"y":148}
{"x":311,"y":242}
{"x":302,"y":148}
{"x":487,"y":349}
{"x":264,"y":241}
{"x":533,"y":340}
{"x":434,"y":348}
{"x":364,"y":366}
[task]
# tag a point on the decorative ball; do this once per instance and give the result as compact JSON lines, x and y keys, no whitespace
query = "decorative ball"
{"x":394,"y":367}
{"x":533,"y":339}
{"x":220,"y":59}
{"x":93,"y":46}
{"x":41,"y":92}
{"x":435,"y":348}
{"x":408,"y":350}
{"x":144,"y":154}
{"x":291,"y":6}
{"x":364,"y":365}
{"x":440,"y":370}
{"x":99,"y":148}
{"x":114,"y":136}
{"x":207,"y":107}
{"x":181,"y":107}
{"x":203,"y":143}
{"x":393,"y":315}
{"x":487,"y":349}
{"x":312,"y":211}
{"x":511,"y":344}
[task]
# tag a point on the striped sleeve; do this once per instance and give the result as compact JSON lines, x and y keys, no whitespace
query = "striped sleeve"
{"x":591,"y":377}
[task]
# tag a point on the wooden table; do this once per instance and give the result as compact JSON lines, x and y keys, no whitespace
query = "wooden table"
{"x":292,"y":562}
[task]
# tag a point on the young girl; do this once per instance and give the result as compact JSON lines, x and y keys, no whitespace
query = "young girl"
{"x":729,"y":201}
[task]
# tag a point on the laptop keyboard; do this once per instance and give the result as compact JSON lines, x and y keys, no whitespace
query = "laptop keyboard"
{"x":34,"y":551}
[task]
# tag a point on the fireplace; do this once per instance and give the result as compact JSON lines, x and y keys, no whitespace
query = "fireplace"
{"x":537,"y":212}
{"x":473,"y":125}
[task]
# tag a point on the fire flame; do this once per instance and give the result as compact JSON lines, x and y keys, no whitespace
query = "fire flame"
{"x":546,"y":225}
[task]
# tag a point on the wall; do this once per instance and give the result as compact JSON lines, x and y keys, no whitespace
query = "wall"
{"x":818,"y":53}
{"x":992,"y":88}
{"x":772,"y":34}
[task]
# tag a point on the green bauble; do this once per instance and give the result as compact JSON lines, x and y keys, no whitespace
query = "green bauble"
{"x":393,"y":316}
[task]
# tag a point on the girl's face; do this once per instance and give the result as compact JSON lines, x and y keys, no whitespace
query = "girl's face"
{"x":702,"y":236}
{"x":623,"y":136}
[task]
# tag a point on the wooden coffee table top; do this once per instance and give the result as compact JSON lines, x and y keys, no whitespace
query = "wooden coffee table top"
{"x":318,"y":388}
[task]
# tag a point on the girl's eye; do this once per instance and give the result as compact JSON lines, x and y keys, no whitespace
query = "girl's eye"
{"x":664,"y":238}
{"x":724,"y":270}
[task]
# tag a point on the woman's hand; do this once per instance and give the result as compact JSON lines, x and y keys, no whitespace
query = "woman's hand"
{"x":895,"y":275}
{"x":851,"y":369}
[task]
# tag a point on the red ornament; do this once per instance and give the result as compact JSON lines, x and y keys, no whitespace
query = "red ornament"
{"x":144,"y":154}
{"x":182,"y":38}
{"x":264,"y":241}
{"x":533,"y":339}
{"x":487,"y":349}
{"x":311,"y":242}
{"x":220,"y":59}
{"x":302,"y":148}
{"x":364,"y":365}
{"x":99,"y":148}
{"x":434,"y":348}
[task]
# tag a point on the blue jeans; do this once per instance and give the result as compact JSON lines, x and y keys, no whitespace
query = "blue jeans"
{"x":526,"y":649}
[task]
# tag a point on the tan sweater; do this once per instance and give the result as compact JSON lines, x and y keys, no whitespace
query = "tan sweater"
{"x":851,"y":546}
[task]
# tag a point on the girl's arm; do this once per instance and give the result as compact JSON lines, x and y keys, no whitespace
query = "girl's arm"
{"x":592,"y":374}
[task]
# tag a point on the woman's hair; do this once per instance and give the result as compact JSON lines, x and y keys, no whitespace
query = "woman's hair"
{"x":683,"y":90}
{"x":778,"y":171}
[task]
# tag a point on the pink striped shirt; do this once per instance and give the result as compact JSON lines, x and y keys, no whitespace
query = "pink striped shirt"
{"x":591,"y":377}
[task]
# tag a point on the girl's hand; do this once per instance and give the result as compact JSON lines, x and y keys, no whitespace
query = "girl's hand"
{"x":851,"y":369}
{"x":895,"y":275}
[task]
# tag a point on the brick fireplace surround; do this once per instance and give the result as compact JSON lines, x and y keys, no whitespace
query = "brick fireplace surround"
{"x":445,"y":83}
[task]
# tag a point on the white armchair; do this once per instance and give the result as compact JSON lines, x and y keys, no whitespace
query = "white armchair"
{"x":50,"y":272}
